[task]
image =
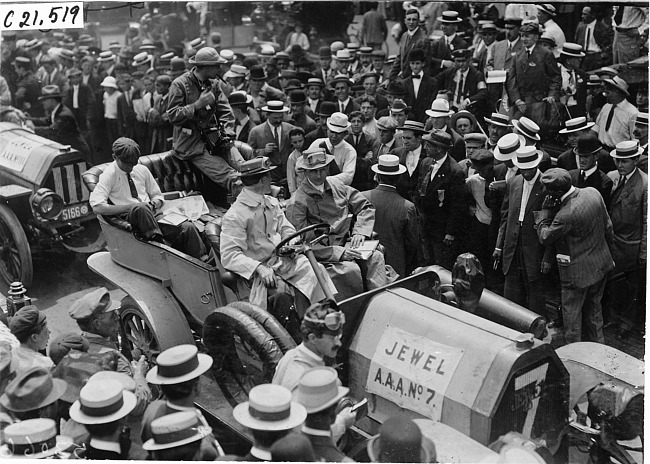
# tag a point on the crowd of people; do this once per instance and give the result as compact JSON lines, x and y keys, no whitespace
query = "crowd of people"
{"x":439,"y":150}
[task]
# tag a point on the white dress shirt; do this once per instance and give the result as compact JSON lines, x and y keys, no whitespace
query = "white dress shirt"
{"x":412,"y":159}
{"x":435,"y":167}
{"x":525,"y":194}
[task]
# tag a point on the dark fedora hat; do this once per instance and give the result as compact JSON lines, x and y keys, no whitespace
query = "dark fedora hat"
{"x":327,"y":108}
{"x":297,"y":97}
{"x":257,"y":73}
{"x":32,"y":390}
{"x":587,"y":144}
{"x":440,"y":138}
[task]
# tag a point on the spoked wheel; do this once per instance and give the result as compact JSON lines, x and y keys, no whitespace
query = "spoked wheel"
{"x":137,"y":333}
{"x":244,"y":354}
{"x":15,"y":253}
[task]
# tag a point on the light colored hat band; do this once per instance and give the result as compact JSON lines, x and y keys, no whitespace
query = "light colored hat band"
{"x":269,"y":416}
{"x":30,"y":449}
{"x":173,"y":436}
{"x":178,"y":370}
{"x":102,"y":411}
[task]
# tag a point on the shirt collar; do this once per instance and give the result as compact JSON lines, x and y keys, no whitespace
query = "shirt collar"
{"x":244,"y":121}
{"x":250,"y":198}
{"x":571,"y":190}
{"x":316,"y":432}
{"x":589,"y":172}
{"x":320,"y":188}
{"x":345,"y":103}
{"x":417,"y":151}
{"x":272,"y":126}
{"x":264,"y":455}
{"x":105,"y":445}
{"x":449,"y":38}
{"x":411,"y":34}
{"x":302,"y":347}
{"x":387,"y":186}
{"x":514,"y":42}
{"x":530,"y":50}
{"x":440,"y":161}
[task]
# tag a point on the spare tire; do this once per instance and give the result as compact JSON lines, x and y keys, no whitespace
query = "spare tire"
{"x":244,"y":354}
{"x":270,"y":323}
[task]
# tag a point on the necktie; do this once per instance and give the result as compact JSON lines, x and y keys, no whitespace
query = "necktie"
{"x":587,"y":40}
{"x":459,"y":92}
{"x":620,"y":185}
{"x":618,"y":17}
{"x":151,"y":99}
{"x":356,"y":140}
{"x":342,"y":107}
{"x":275,"y":136}
{"x":127,"y":95}
{"x":426,"y":180}
{"x":134,"y":191}
{"x":509,"y":48}
{"x":46,"y":80}
{"x":583,"y":177}
{"x":610,"y":116}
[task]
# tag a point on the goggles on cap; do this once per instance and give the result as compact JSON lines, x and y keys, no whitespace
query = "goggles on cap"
{"x":333,"y":321}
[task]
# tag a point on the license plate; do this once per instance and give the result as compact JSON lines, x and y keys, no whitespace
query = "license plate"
{"x":75,"y":211}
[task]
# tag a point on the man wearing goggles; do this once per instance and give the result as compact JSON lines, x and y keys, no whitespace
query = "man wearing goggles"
{"x":321,"y":331}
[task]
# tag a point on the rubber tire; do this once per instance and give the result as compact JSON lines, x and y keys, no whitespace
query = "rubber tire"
{"x":160,"y":343}
{"x":219,"y":329}
{"x":270,"y":324}
{"x":20,"y":248}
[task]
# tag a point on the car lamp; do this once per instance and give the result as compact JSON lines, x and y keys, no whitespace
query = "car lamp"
{"x":47,"y":203}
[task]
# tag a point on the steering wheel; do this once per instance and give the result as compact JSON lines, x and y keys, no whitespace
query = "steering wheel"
{"x":301,"y":232}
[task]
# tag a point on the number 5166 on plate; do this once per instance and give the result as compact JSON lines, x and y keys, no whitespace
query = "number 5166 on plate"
{"x":33,"y":16}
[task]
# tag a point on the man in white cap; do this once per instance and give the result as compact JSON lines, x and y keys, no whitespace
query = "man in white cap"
{"x":250,"y":231}
{"x":325,"y":199}
{"x":270,"y":414}
{"x":545,"y":14}
{"x":615,"y":122}
{"x":345,"y":156}
{"x":396,"y":219}
{"x":177,"y":372}
{"x":628,"y":210}
{"x":319,"y":391}
{"x":575,"y":223}
{"x":522,"y":257}
{"x":195,"y":101}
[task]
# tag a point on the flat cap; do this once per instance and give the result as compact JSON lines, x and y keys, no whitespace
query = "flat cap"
{"x":387,"y":123}
{"x":529,"y":28}
{"x":126,"y":148}
{"x":439,"y":137}
{"x":475,"y":139}
{"x":25,"y":319}
{"x":557,"y":179}
{"x":97,"y":301}
{"x":481,"y":156}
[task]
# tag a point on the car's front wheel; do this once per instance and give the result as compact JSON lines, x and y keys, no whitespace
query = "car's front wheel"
{"x":15,"y":254}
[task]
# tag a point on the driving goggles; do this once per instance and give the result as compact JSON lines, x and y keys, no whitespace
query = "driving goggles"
{"x":333,"y":321}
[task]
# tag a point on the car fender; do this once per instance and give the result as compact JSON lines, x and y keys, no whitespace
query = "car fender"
{"x":157,"y":302}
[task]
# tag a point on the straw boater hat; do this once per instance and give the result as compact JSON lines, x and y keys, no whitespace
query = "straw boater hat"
{"x":575,"y":125}
{"x":572,"y":50}
{"x":315,"y":158}
{"x":236,"y":70}
{"x":626,"y":149}
{"x":619,"y":84}
{"x":527,"y":128}
{"x":499,"y":119}
{"x":275,"y":106}
{"x":269,"y":408}
{"x":50,"y":91}
{"x":342,"y":55}
{"x":415,"y":126}
{"x":197,"y":43}
{"x":33,"y":439}
{"x":547,"y":8}
{"x":102,"y":402}
{"x":318,"y":389}
{"x":527,"y":157}
{"x":338,"y":122}
{"x":106,"y":56}
{"x":449,"y":17}
{"x":642,"y":118}
{"x":179,"y":364}
{"x":439,"y":109}
{"x":507,"y":147}
{"x":388,"y":165}
{"x":141,"y":59}
{"x":175,"y":430}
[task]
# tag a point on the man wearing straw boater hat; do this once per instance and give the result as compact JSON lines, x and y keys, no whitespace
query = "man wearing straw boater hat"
{"x":641,"y":132}
{"x":410,"y":156}
{"x":102,"y":408}
{"x":319,"y":391}
{"x":628,"y":210}
{"x":522,"y":256}
{"x":250,"y":231}
{"x":177,"y":437}
{"x":34,"y":439}
{"x":195,"y":104}
{"x":498,"y":126}
{"x":576,"y":225}
{"x":325,"y":199}
{"x":270,"y":413}
{"x":177,"y":372}
{"x":574,"y":79}
{"x":396,"y":219}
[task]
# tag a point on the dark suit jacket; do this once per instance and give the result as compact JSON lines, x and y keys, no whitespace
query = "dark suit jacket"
{"x":440,"y":51}
{"x":598,"y":180}
{"x":629,"y":212}
{"x":582,"y":230}
{"x":408,"y":184}
{"x":261,"y":135}
{"x":401,"y":64}
{"x":319,"y":133}
{"x":537,"y":76}
{"x":364,"y":146}
{"x":325,"y":448}
{"x":62,"y":127}
{"x":426,"y":94}
{"x":245,"y":131}
{"x":126,"y":116}
{"x":396,"y":223}
{"x":603,"y":35}
{"x":473,"y":88}
{"x":567,"y":160}
{"x":443,"y":203}
{"x":349,"y":108}
{"x":510,"y":230}
{"x":86,"y":111}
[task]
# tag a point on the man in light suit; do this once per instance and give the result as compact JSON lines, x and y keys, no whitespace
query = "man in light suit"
{"x":502,"y":56}
{"x":272,"y":139}
{"x":522,"y":256}
{"x":441,"y":201}
{"x":629,"y":212}
{"x":420,"y":87}
{"x":396,"y":219}
{"x":414,"y":37}
{"x":534,"y":77}
{"x":580,"y":231}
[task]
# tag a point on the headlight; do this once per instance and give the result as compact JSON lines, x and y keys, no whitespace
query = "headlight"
{"x":47,"y":203}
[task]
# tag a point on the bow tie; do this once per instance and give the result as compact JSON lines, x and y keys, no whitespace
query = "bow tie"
{"x":417,"y":76}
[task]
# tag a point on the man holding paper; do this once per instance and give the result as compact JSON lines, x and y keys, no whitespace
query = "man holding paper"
{"x":127,"y":189}
{"x":326,"y":199}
